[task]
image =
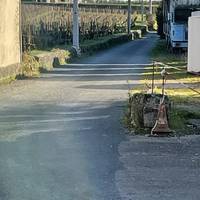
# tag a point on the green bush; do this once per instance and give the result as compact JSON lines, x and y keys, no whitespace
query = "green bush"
{"x":106,"y":44}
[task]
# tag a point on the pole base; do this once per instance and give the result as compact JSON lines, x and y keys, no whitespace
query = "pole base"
{"x":77,"y":49}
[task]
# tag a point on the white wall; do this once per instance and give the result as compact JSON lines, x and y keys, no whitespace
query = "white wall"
{"x":9,"y":33}
{"x":194,"y":43}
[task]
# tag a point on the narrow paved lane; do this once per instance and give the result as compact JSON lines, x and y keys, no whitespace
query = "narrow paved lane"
{"x":61,"y":137}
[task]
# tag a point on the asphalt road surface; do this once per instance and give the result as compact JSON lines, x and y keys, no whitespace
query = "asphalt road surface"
{"x":61,"y":137}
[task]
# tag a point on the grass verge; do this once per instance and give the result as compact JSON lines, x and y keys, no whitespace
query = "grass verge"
{"x":181,"y":87}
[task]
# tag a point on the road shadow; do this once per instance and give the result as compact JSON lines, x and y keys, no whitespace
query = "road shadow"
{"x":95,"y":73}
{"x":72,"y":150}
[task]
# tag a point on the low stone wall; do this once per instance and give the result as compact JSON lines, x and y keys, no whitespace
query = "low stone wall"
{"x":53,"y":59}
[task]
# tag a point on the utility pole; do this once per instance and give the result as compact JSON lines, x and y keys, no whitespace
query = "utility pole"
{"x":142,"y":10}
{"x":76,"y":45}
{"x":150,"y":7}
{"x":129,"y":16}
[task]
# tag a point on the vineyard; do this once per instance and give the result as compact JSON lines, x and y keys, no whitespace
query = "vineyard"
{"x":48,"y":25}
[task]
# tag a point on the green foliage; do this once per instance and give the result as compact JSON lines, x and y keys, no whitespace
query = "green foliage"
{"x":160,"y":53}
{"x":179,"y":120}
{"x":96,"y":45}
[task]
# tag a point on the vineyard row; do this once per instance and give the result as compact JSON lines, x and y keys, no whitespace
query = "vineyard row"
{"x":45,"y":25}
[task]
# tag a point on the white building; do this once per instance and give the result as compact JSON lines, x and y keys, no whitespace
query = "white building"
{"x":194,"y":43}
{"x":10,"y":39}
